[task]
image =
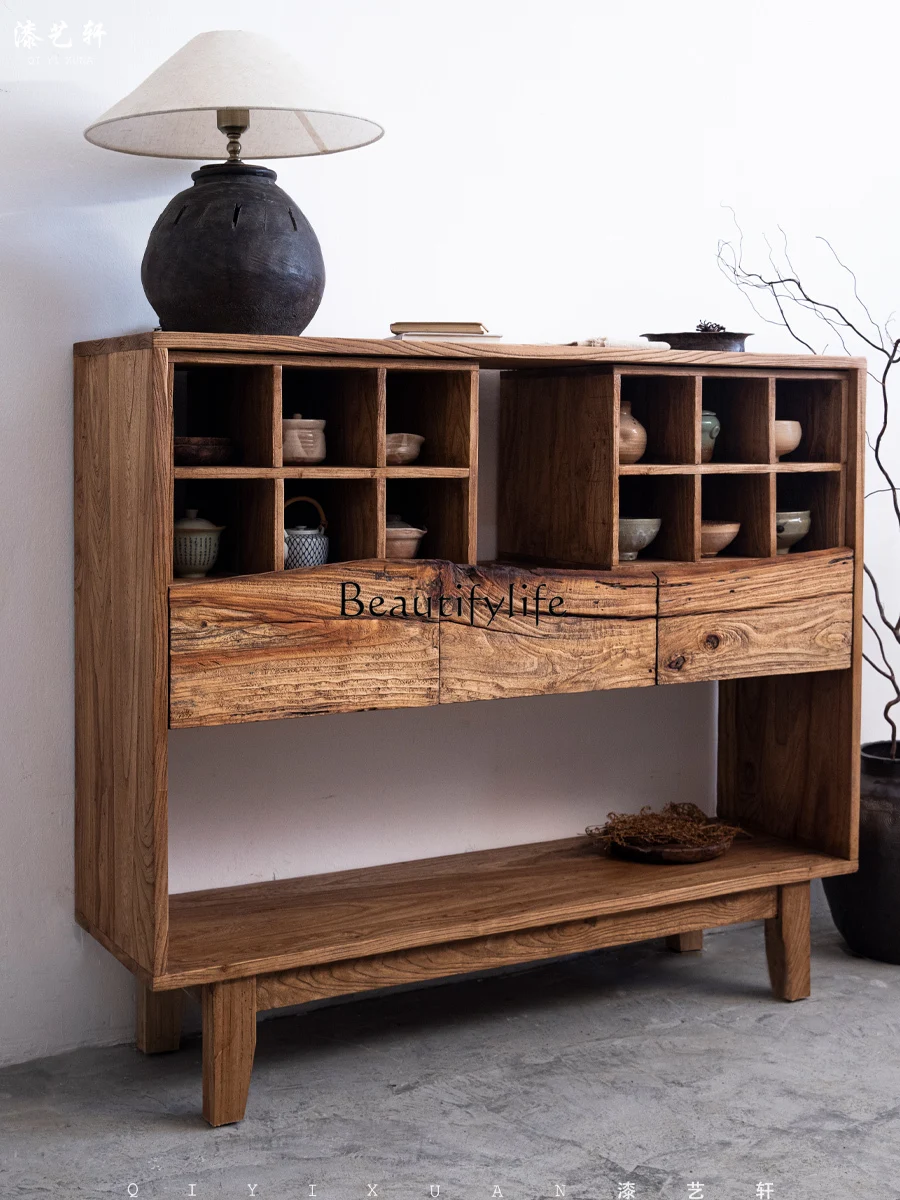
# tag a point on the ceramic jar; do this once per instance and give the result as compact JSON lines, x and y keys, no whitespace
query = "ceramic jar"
{"x":402,"y":448}
{"x":790,"y":527}
{"x":305,"y":545}
{"x":401,"y":538}
{"x":709,"y":431}
{"x":196,"y":544}
{"x":632,"y":435}
{"x":635,"y":535}
{"x":303,"y":441}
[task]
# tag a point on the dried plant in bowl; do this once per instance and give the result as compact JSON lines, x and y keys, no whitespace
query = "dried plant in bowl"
{"x":681,"y":833}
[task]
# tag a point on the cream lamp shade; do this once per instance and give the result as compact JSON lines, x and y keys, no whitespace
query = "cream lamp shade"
{"x":172,"y":114}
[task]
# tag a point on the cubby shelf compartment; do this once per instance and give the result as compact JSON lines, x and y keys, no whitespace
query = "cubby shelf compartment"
{"x":237,"y":402}
{"x":820,"y":405}
{"x":350,"y":400}
{"x":443,"y":507}
{"x":744,"y":407}
{"x":248,"y":509}
{"x":823,"y":494}
{"x":749,"y":499}
{"x":441,"y":406}
{"x":675,"y":500}
{"x":668,"y":406}
{"x":352,"y":509}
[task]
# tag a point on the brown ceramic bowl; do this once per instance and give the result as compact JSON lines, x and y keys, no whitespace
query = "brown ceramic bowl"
{"x":787,"y":436}
{"x":203,"y":451}
{"x":716,"y":535}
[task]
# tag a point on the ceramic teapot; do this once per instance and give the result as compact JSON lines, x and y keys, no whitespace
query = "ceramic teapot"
{"x":306,"y":546}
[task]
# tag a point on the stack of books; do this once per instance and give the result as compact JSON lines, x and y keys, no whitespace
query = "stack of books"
{"x":443,"y":331}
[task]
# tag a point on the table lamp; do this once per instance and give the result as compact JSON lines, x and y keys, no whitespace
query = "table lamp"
{"x":233,"y":253}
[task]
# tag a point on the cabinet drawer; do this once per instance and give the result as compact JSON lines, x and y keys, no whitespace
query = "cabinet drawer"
{"x":721,"y":584}
{"x":804,"y":635}
{"x":266,"y":647}
{"x":567,"y":654}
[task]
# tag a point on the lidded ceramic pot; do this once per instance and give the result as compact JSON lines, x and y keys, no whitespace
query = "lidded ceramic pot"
{"x":305,"y":545}
{"x":196,"y":543}
{"x":632,"y":435}
{"x":401,"y":538}
{"x":302,"y":440}
{"x":710,"y":428}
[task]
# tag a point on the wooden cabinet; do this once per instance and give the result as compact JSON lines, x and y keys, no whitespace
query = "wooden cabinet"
{"x":558,"y":612}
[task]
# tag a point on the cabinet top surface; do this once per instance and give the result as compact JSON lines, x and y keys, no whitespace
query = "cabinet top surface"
{"x":490,"y":354}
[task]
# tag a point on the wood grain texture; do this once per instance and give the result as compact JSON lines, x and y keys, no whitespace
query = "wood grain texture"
{"x":789,"y":757}
{"x":229,"y":1044}
{"x":505,"y":949}
{"x":158,"y":1026}
{"x":123,"y":555}
{"x":557,"y":494}
{"x":727,"y":468}
{"x":783,"y":639}
{"x":266,"y":927}
{"x":691,"y":941}
{"x":491,"y":354}
{"x":289,"y":669}
{"x":722,"y":584}
{"x":787,"y":943}
{"x":562,"y":654}
{"x":630,"y":592}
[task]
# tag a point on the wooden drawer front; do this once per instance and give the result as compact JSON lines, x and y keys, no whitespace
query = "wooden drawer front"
{"x":805,"y":635}
{"x":275,"y":646}
{"x":566,"y":654}
{"x":720,"y":584}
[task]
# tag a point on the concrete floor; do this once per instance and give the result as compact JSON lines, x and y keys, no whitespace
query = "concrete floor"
{"x":623,"y":1065}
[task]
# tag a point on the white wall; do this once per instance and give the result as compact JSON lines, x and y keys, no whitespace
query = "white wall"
{"x":554,"y":170}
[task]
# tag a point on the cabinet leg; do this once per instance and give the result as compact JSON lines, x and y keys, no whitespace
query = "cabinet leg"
{"x":229,"y":1042}
{"x":787,"y":943}
{"x":685,"y":943}
{"x":158,"y":1020}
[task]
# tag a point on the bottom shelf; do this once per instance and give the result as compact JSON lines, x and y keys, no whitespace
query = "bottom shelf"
{"x":258,"y":928}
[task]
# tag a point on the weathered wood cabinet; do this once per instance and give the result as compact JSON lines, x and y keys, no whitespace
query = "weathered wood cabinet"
{"x":254,"y":641}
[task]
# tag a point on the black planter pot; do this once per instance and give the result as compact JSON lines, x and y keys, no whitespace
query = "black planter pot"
{"x":233,"y":254}
{"x":699,"y":339}
{"x":866,"y":906}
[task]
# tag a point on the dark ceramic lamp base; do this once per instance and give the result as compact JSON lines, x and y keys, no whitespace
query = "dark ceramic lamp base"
{"x":233,"y":254}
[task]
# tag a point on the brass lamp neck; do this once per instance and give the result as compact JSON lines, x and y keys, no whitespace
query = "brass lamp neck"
{"x":233,"y":122}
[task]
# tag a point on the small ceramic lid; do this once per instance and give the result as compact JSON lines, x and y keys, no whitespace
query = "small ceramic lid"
{"x":191,"y":523}
{"x":304,"y":423}
{"x":396,"y":523}
{"x":306,"y":530}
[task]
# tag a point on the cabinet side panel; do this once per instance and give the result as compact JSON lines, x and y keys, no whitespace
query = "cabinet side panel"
{"x":787,"y":757}
{"x":123,"y":485}
{"x":557,"y":480}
